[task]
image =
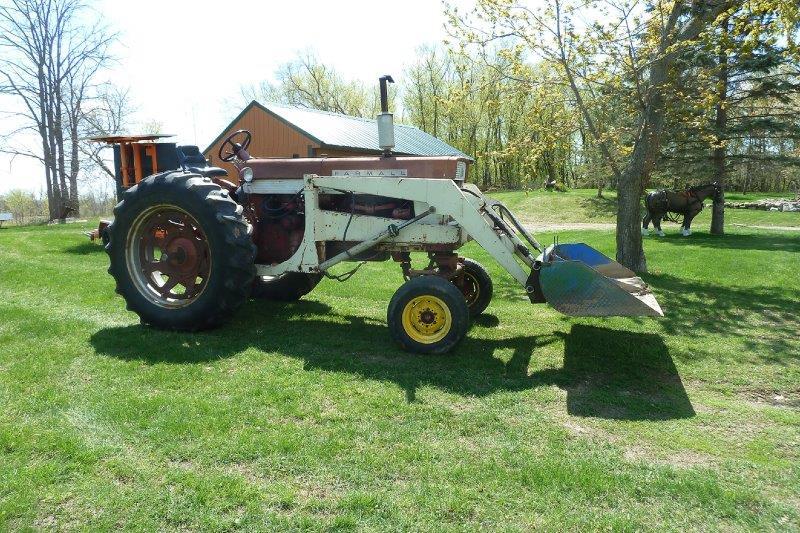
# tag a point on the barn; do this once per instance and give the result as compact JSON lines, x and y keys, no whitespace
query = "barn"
{"x":282,"y":131}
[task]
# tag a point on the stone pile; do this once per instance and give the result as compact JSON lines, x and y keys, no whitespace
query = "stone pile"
{"x":768,"y":204}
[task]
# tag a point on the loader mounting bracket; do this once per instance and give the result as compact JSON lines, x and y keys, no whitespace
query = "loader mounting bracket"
{"x":534,"y":287}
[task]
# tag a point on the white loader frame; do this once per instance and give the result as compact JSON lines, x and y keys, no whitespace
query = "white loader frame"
{"x":448,"y":213}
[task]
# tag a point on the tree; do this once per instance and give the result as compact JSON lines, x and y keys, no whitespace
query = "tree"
{"x":652,"y":33}
{"x":518,"y":136}
{"x":307,"y":82}
{"x":49,"y":59}
{"x":427,"y":86}
{"x":744,"y":77}
{"x":22,"y":205}
{"x":107,"y":114}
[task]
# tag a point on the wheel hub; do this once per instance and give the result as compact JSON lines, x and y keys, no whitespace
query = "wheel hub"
{"x":427,"y":319}
{"x":168,"y":256}
{"x":182,"y":254}
{"x":469,"y":287}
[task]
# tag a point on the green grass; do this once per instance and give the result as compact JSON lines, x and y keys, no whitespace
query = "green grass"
{"x":306,"y":416}
{"x":582,"y":205}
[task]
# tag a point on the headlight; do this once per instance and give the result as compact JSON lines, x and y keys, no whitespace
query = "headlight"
{"x":246,"y":174}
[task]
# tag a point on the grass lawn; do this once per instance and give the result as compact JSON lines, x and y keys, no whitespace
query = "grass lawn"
{"x":582,"y":205}
{"x":306,"y":416}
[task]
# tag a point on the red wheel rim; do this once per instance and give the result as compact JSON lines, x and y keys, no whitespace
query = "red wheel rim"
{"x":469,"y":287}
{"x":168,"y":256}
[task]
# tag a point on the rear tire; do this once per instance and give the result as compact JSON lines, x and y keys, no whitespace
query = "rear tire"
{"x":178,"y":228}
{"x":288,"y":287}
{"x":428,"y":314}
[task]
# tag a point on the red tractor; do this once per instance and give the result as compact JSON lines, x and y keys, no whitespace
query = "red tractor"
{"x":189,"y":245}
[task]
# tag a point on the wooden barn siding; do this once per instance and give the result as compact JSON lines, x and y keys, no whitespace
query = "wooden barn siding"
{"x":271,"y":138}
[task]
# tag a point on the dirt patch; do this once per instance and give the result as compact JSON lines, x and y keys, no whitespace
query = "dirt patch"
{"x":568,"y":226}
{"x":248,"y":471}
{"x":775,"y":228}
{"x":761,"y":398}
{"x":679,"y":459}
{"x":183,"y":464}
{"x":580,"y":430}
{"x":61,"y":516}
{"x":637,"y":452}
{"x":542,"y":227}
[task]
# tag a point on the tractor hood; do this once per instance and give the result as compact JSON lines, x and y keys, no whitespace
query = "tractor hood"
{"x":438,"y":167}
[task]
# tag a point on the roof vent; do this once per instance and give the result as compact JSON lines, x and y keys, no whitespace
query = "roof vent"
{"x":385,"y":119}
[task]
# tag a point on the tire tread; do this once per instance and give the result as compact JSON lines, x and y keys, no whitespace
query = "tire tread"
{"x":239,"y":251}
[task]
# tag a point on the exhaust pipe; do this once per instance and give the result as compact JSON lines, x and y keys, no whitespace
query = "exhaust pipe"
{"x":385,"y":119}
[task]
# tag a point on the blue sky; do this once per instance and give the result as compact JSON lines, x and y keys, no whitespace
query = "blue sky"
{"x":185,"y":61}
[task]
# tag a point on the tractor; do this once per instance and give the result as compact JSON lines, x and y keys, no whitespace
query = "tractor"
{"x":189,"y":245}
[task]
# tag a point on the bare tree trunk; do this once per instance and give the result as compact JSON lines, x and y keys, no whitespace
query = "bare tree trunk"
{"x":74,"y":168}
{"x":57,"y":200}
{"x":629,"y":192}
{"x":720,"y":151}
{"x":62,"y":163}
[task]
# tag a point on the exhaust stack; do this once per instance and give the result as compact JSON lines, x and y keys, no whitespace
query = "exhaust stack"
{"x":385,"y":119}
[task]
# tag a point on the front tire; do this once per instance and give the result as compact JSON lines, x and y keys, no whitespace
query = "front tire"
{"x":181,"y":252}
{"x":428,"y":314}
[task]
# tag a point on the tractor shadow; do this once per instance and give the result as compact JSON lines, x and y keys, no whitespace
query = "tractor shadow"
{"x":85,"y":248}
{"x":606,"y":373}
{"x":624,"y":375}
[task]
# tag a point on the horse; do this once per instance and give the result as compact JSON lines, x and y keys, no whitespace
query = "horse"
{"x":687,"y":203}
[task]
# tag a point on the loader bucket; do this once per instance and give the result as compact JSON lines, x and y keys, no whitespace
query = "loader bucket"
{"x":578,"y":280}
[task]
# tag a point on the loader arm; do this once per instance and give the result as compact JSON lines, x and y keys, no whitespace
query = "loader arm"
{"x":574,"y":278}
{"x":467,"y":207}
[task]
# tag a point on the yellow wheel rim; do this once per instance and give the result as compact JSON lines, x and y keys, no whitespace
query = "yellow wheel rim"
{"x":427,"y":319}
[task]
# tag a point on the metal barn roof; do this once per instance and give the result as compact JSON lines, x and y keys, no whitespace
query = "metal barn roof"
{"x":334,"y":130}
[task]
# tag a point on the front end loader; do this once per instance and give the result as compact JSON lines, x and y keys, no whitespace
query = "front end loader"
{"x":188,"y":246}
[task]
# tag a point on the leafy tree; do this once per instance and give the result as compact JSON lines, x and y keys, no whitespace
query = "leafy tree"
{"x":519,"y":136}
{"x":652,"y":32}
{"x":735,"y":103}
{"x":22,"y":205}
{"x":307,"y":82}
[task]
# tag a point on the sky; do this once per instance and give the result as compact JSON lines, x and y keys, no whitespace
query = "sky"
{"x":186,"y":61}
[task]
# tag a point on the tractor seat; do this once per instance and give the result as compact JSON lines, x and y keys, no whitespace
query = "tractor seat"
{"x":190,"y":159}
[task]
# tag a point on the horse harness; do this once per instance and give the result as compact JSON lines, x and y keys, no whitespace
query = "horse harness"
{"x":692,"y":198}
{"x":658,"y":201}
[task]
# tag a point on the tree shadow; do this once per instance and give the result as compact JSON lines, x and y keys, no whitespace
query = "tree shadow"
{"x":600,"y":207}
{"x":736,"y":241}
{"x":697,"y":309}
{"x":84,"y":248}
{"x":606,"y":373}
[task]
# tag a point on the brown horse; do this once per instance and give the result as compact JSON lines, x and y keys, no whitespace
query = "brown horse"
{"x":687,"y":203}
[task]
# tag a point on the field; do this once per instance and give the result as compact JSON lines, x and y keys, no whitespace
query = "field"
{"x":583,"y":206}
{"x":306,"y":416}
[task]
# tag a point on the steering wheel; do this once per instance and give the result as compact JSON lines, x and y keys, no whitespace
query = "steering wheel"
{"x":234,"y":145}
